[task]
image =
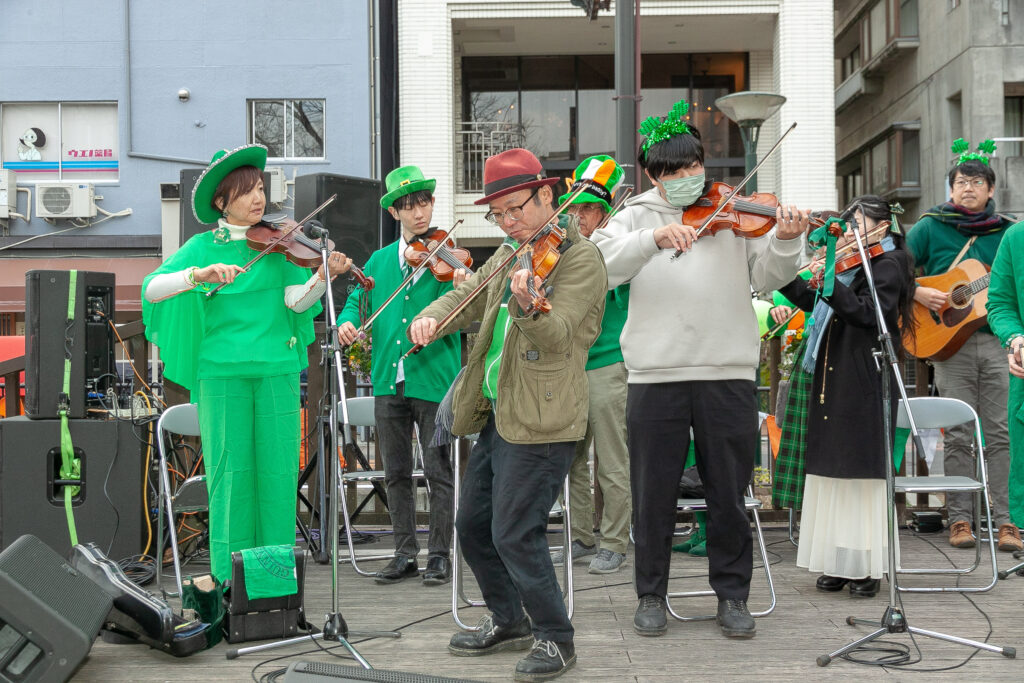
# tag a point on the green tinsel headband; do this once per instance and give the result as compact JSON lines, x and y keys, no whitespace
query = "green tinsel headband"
{"x":985,"y":149}
{"x":658,"y":130}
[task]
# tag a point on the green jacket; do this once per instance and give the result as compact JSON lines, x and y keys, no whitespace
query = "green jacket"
{"x":429,"y":373}
{"x":1006,"y":286}
{"x":543,"y":395}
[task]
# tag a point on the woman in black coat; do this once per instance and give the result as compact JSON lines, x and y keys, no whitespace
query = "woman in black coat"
{"x":843,"y":529}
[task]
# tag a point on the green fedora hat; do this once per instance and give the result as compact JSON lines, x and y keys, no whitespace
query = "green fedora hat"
{"x":222,"y":163}
{"x":405,"y":180}
{"x":600,"y":177}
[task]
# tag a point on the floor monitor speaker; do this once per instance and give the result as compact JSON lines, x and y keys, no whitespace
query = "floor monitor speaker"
{"x":49,"y":615}
{"x":108,"y":507}
{"x":326,"y":672}
{"x":353,"y":219}
{"x":88,"y":339}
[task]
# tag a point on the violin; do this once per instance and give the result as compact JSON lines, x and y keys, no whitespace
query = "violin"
{"x":284,"y":237}
{"x":442,"y":260}
{"x":540,"y":258}
{"x":750,"y":216}
{"x":847,"y":253}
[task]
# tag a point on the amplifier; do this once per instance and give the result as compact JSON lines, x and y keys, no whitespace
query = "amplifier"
{"x":108,"y":508}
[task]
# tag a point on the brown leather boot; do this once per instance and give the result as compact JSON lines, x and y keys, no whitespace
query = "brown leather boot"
{"x":1009,"y":538}
{"x":960,"y":535}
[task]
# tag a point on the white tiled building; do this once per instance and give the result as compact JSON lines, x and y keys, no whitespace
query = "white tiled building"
{"x":477,"y":76}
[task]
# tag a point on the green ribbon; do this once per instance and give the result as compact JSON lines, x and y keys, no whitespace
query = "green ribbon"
{"x":822,"y":236}
{"x":70,"y":466}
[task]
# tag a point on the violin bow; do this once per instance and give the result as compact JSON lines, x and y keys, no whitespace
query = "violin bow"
{"x":284,"y":234}
{"x":408,"y":278}
{"x":461,"y":306}
{"x":624,"y":195}
{"x":739,"y":186}
{"x":780,"y":326}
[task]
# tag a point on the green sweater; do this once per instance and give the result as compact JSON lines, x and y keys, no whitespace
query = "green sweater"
{"x":429,"y":373}
{"x":606,"y":350}
{"x":935,"y":244}
{"x":1007,"y":286}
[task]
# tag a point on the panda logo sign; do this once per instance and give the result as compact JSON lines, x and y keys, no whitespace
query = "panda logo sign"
{"x":29,"y":144}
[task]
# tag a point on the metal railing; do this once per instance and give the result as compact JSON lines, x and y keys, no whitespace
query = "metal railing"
{"x":474,"y":142}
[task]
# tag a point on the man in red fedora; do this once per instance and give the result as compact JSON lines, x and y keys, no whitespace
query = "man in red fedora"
{"x":524,"y":390}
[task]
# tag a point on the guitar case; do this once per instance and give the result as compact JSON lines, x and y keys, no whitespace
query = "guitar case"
{"x":137,"y":616}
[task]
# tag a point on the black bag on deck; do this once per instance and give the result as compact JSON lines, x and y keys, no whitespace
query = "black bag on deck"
{"x":263,"y":618}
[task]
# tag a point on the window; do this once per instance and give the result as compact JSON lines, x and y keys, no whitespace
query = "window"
{"x":290,"y":129}
{"x":48,"y":141}
{"x":890,"y":166}
{"x":1013,"y":125}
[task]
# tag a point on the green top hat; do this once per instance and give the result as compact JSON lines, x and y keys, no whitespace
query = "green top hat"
{"x":405,"y":180}
{"x":600,"y":177}
{"x":222,"y":163}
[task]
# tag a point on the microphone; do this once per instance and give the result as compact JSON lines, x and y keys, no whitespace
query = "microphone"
{"x":850,"y":215}
{"x":314,"y":230}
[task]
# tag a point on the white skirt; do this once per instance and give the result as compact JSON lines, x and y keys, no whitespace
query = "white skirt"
{"x":843,"y":528}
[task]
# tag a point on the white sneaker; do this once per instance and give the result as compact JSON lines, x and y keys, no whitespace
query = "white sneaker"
{"x":579,"y":551}
{"x":607,"y":562}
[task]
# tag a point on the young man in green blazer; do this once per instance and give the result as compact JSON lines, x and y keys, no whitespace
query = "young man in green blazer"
{"x":408,"y":391}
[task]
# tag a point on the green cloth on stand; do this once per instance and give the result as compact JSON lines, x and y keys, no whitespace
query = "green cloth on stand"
{"x":269,"y":572}
{"x":205,"y":595}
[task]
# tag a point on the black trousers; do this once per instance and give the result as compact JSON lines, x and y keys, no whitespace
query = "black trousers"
{"x":506,"y":497}
{"x":723,"y":415}
{"x":395,"y":416}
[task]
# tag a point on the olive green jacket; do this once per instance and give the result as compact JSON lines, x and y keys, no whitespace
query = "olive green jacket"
{"x":542,"y":384}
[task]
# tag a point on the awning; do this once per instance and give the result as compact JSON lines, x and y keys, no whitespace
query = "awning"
{"x":128,"y":273}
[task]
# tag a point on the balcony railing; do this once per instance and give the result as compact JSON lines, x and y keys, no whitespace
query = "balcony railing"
{"x":477,"y":140}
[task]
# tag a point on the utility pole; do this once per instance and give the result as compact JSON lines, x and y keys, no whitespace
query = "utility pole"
{"x":626,"y":88}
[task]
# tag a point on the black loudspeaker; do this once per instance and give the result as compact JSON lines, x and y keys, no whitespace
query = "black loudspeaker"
{"x":353,"y":219}
{"x":325,"y":672}
{"x":108,"y":507}
{"x":49,"y":615}
{"x":187,"y":223}
{"x":89,"y":339}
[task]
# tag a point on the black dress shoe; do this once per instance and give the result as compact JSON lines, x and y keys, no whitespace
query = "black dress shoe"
{"x":864,"y":588}
{"x":830,"y":584}
{"x":547,"y":660}
{"x":491,"y":638}
{"x":398,"y":569}
{"x":734,"y":619}
{"x":649,"y":618}
{"x":438,"y":571}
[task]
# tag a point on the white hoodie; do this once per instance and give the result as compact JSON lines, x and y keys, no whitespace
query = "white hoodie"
{"x":690,"y":319}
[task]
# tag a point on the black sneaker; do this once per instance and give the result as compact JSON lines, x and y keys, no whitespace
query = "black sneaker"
{"x":650,"y":618}
{"x":438,"y":571}
{"x":548,"y":659}
{"x":491,"y":638}
{"x":734,"y":619}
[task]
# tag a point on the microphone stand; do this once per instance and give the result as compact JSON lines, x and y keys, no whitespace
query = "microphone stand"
{"x":893,"y":620}
{"x":335,"y":628}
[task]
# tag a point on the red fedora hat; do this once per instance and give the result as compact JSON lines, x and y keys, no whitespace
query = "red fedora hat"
{"x":511,"y":171}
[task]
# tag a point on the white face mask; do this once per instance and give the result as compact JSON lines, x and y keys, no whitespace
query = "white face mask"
{"x":683,"y":191}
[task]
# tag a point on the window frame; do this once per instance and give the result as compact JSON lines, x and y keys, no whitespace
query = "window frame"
{"x":288,"y":104}
{"x":63,"y":175}
{"x":861,"y":161}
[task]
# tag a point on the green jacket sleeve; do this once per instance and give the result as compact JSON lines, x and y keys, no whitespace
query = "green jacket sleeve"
{"x":579,"y":281}
{"x":1004,"y":315}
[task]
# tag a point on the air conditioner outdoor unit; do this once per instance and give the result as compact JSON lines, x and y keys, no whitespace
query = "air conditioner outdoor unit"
{"x":278,"y":190}
{"x":65,"y":200}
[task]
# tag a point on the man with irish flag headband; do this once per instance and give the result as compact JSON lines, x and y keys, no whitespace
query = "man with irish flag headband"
{"x":690,"y":345}
{"x":601,"y":177}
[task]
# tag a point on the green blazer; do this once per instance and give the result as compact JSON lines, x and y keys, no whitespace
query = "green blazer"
{"x":429,"y":373}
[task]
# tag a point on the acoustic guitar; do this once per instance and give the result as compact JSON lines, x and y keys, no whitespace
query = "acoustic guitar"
{"x":941,"y":333}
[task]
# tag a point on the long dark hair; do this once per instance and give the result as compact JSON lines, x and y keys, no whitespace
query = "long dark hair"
{"x":880,"y":210}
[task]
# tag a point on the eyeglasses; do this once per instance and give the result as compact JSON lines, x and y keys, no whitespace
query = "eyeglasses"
{"x":961,"y":183}
{"x":513,"y":214}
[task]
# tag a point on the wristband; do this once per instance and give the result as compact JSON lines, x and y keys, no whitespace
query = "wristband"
{"x":190,"y":275}
{"x":1013,"y":338}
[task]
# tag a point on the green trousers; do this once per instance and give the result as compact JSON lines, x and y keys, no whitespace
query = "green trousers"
{"x":250,"y":432}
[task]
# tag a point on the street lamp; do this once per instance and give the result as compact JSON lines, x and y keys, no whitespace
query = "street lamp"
{"x":749,"y":110}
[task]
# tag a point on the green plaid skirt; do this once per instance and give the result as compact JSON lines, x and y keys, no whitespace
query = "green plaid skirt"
{"x":788,"y":483}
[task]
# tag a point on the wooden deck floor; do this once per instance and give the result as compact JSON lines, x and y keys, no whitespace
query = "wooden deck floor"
{"x":805,"y":624}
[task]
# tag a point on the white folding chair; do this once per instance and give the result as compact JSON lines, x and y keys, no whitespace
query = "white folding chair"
{"x":458,"y":590}
{"x":934,"y":412}
{"x":360,"y":414}
{"x":190,"y":496}
{"x":752,"y":505}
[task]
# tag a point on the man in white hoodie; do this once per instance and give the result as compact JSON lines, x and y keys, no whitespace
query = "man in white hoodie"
{"x":690,"y":344}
